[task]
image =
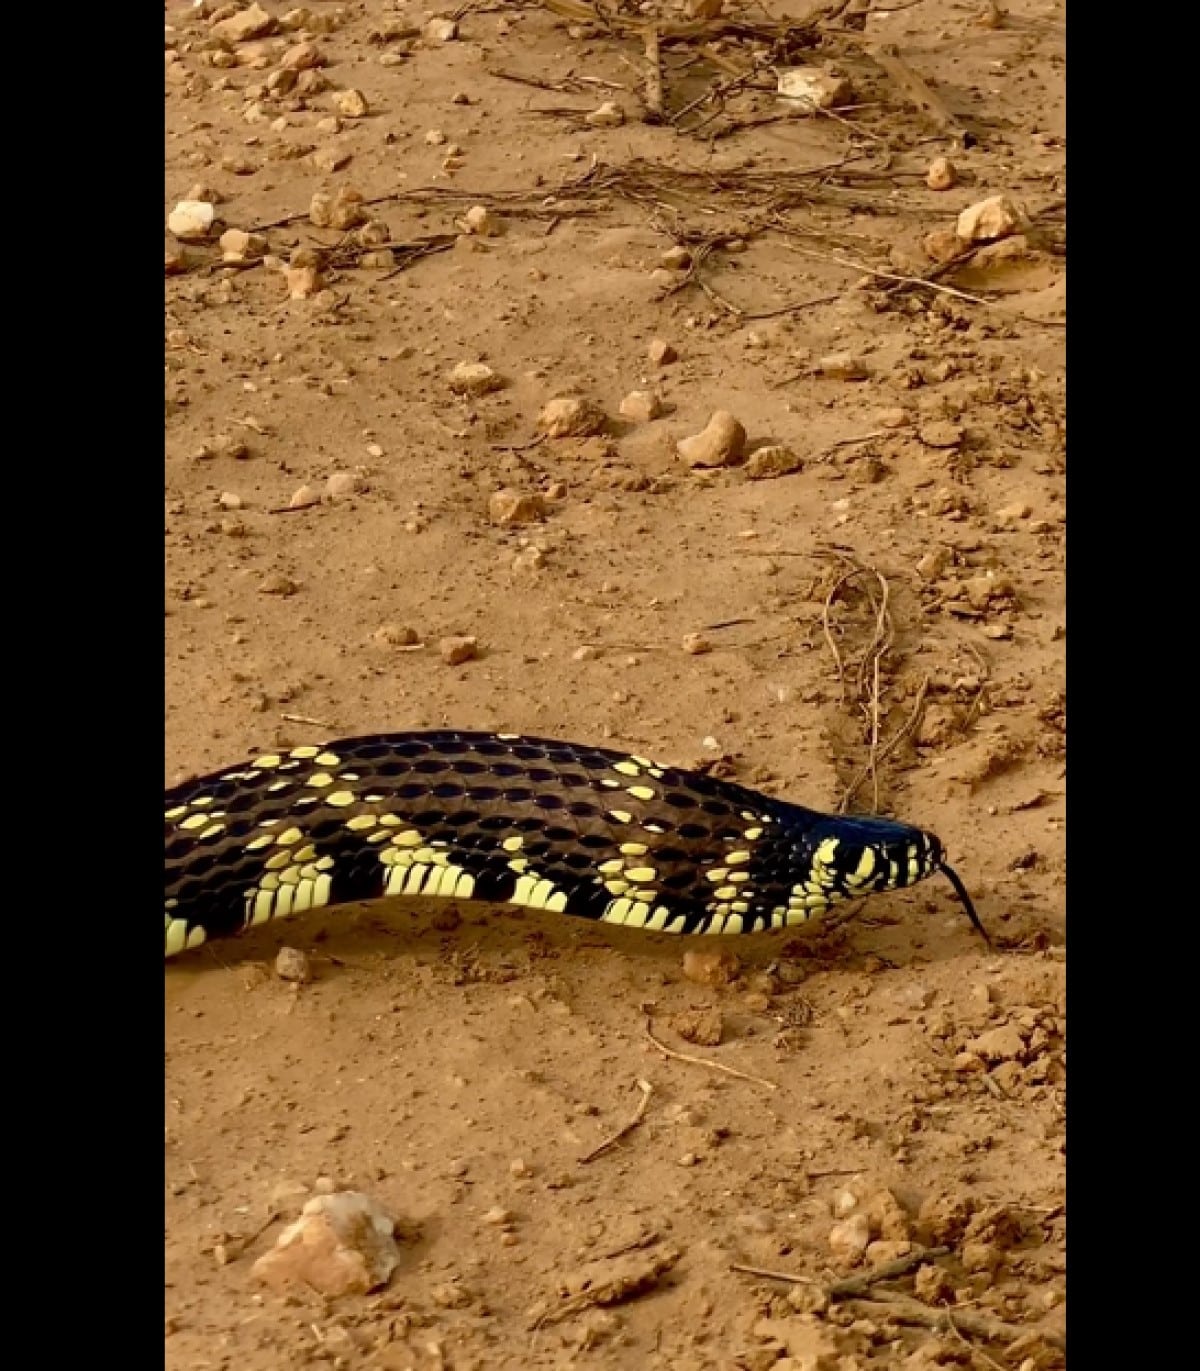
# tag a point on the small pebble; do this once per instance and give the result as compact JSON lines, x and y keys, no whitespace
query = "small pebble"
{"x":456,"y":650}
{"x":661,"y":353}
{"x":696,"y":644}
{"x":843,"y":366}
{"x":293,"y":965}
{"x":609,"y":115}
{"x":480,"y":221}
{"x":515,"y":507}
{"x":704,"y":1027}
{"x":394,"y":635}
{"x":303,"y":497}
{"x":341,"y":484}
{"x":569,"y":416}
{"x":773,"y":460}
{"x":676,"y":258}
{"x":278,"y":584}
{"x":474,"y":378}
{"x":641,"y":406}
{"x":239,"y":246}
{"x":441,"y":30}
{"x":941,"y":175}
{"x":351,"y":103}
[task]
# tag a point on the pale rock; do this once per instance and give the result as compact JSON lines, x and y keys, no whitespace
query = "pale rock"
{"x":330,"y":159}
{"x":719,"y":444}
{"x":330,"y":124}
{"x":441,"y":30}
{"x":474,"y":378}
{"x":515,"y":507}
{"x":848,"y":1239}
{"x":277,"y":584}
{"x":341,"y":210}
{"x":342,"y":1244}
{"x":303,"y":497}
{"x":570,"y":416}
{"x":676,"y":258}
{"x":191,"y":221}
{"x":342,"y":484}
{"x":529,"y":561}
{"x":253,"y":22}
{"x":609,"y":115}
{"x":480,"y":221}
{"x":435,"y":138}
{"x":282,"y":81}
{"x":373,"y":234}
{"x":773,"y":460}
{"x":661,"y":353}
{"x":239,"y":246}
{"x":302,"y":282}
{"x":291,"y":964}
{"x":302,"y":57}
{"x":1010,"y":514}
{"x":351,"y":103}
{"x":843,"y":366}
{"x":808,"y":89}
{"x":987,"y":220}
{"x":942,"y":174}
{"x":394,"y":635}
{"x":696,"y":644}
{"x":641,"y":406}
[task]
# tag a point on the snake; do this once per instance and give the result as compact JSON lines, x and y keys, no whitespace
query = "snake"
{"x":525,"y":821}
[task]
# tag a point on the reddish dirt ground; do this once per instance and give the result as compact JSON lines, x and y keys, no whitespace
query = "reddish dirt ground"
{"x":456,"y":1063}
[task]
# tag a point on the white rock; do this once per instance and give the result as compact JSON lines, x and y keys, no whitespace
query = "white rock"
{"x":481,"y":221}
{"x":192,"y":220}
{"x":441,"y":30}
{"x":987,"y":220}
{"x":848,"y":1239}
{"x":807,"y":89}
{"x":609,"y":115}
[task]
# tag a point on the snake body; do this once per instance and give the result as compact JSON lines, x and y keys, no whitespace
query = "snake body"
{"x":524,"y":821}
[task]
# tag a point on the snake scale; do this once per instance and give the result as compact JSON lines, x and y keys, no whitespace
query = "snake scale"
{"x":525,"y":821}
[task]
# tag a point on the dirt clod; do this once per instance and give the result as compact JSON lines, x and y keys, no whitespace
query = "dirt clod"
{"x":712,"y":968}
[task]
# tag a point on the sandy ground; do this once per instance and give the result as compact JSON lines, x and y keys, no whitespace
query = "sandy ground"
{"x":457,"y":1063}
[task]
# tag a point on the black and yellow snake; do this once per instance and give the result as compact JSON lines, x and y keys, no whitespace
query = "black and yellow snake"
{"x":526,"y":821}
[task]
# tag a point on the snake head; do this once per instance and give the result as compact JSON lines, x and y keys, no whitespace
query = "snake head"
{"x":851,"y":856}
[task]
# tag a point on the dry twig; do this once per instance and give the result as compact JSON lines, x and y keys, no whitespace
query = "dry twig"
{"x":647,"y":1090}
{"x":704,"y":1061}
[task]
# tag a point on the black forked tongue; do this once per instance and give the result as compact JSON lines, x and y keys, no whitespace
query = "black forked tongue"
{"x":961,"y":891}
